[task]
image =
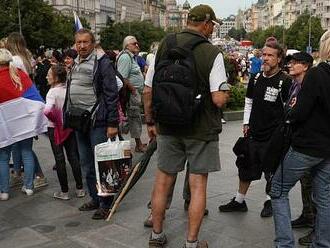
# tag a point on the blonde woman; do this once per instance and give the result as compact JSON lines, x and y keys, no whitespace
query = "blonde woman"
{"x":309,"y":151}
{"x":13,"y":84}
{"x":22,"y":59}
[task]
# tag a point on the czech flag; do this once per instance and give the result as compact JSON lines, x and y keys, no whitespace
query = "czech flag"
{"x":21,"y":114}
{"x":77,"y":23}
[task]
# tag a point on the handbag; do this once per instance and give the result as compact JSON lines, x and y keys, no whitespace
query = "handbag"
{"x":79,"y":119}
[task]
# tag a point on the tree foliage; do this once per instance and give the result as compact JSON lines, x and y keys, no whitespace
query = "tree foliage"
{"x":296,"y":36}
{"x":237,"y":34}
{"x":298,"y":33}
{"x":113,"y":35}
{"x":41,"y":24}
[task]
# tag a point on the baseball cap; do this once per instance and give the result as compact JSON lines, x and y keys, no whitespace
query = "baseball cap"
{"x":202,"y":13}
{"x":302,"y":57}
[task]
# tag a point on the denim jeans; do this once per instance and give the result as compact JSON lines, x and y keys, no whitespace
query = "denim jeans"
{"x":71,"y":149}
{"x":4,"y":169}
{"x":295,"y":165}
{"x":86,"y":145}
{"x":18,"y":163}
{"x":25,"y":146}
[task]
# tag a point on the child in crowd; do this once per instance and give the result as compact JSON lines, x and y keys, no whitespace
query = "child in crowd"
{"x":61,"y":137}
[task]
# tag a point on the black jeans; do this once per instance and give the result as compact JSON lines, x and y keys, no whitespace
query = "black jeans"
{"x":71,"y":149}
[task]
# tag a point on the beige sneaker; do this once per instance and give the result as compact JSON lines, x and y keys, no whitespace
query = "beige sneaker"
{"x":61,"y":195}
{"x":148,"y":221}
{"x":16,"y":181}
{"x":40,"y":182}
{"x":201,"y":244}
{"x":80,"y":193}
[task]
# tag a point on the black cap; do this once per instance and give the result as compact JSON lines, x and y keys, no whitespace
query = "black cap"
{"x":302,"y":57}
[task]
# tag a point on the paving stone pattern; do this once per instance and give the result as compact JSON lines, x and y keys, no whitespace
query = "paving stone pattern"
{"x":41,"y":221}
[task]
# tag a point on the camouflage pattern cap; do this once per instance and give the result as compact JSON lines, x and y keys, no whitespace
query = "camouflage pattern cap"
{"x":201,"y":13}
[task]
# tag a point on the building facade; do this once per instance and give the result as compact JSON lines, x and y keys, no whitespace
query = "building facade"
{"x":154,"y":11}
{"x":129,"y":10}
{"x":227,"y":24}
{"x":268,"y":13}
{"x":96,"y":12}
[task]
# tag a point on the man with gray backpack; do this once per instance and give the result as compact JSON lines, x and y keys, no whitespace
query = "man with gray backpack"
{"x":182,"y":102}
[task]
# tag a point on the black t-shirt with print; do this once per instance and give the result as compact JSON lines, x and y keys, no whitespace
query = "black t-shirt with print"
{"x":267,"y":107}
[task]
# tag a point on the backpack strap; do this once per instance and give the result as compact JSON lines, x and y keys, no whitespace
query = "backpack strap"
{"x":256,"y":78}
{"x":194,"y":42}
{"x":170,"y":42}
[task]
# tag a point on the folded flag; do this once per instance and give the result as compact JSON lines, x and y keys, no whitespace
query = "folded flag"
{"x":21,"y":116}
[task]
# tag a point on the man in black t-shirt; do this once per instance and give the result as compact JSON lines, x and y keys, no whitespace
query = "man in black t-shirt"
{"x":263,"y":112}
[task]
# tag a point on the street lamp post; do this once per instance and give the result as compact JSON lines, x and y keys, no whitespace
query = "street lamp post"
{"x":19,"y":17}
{"x":310,"y":29}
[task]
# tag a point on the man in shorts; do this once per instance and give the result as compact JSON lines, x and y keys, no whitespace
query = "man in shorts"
{"x":198,"y":144}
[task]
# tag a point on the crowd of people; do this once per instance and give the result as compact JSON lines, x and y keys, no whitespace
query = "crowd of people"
{"x":86,"y":95}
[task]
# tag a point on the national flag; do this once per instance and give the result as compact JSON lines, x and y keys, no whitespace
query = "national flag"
{"x":22,"y":116}
{"x":77,"y":23}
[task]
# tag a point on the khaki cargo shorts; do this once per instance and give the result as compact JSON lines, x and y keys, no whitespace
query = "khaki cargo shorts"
{"x":203,"y":157}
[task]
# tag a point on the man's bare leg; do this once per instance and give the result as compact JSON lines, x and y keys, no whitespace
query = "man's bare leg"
{"x":198,"y":185}
{"x":243,"y":187}
{"x":162,"y":187}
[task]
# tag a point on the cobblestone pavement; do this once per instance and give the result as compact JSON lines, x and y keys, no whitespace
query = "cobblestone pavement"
{"x":41,"y":221}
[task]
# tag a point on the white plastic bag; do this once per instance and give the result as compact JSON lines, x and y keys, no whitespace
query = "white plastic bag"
{"x":113,"y":161}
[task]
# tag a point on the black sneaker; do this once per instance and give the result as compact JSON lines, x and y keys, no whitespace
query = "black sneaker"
{"x":101,"y":214}
{"x":307,"y":239}
{"x":157,"y":243}
{"x":302,"y":222}
{"x":233,"y":206}
{"x":267,"y":211}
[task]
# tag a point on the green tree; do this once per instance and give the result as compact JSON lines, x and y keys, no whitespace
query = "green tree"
{"x":298,"y":33}
{"x":112,"y":36}
{"x":295,"y":37}
{"x":237,"y":34}
{"x":41,"y":24}
{"x":259,"y":36}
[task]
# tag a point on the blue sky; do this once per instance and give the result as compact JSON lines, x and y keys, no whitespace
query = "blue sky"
{"x":222,"y":8}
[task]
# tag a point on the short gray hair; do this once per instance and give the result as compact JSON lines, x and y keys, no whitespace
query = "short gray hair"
{"x":325,"y":46}
{"x":127,"y":40}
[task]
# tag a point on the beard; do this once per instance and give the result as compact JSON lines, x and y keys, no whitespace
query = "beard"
{"x":268,"y":68}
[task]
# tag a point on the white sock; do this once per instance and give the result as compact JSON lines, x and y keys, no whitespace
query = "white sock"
{"x":268,"y":197}
{"x":156,"y":235}
{"x":239,"y":197}
{"x":190,"y":244}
